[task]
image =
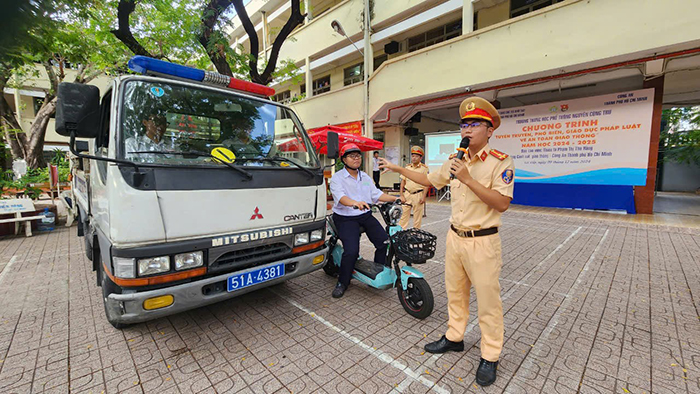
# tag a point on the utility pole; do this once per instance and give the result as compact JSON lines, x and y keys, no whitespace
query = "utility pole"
{"x":368,"y":68}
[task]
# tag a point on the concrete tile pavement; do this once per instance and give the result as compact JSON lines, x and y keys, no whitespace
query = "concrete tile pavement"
{"x":591,"y":306}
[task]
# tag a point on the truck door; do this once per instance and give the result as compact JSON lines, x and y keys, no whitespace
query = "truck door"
{"x":99,"y":204}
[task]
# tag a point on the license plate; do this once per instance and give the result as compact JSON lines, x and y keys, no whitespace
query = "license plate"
{"x":250,"y":278}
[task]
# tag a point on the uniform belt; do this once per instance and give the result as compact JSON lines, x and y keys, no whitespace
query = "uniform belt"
{"x":417,"y":191}
{"x":477,"y":233}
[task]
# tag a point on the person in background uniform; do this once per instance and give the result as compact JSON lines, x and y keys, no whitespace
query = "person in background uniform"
{"x":353,"y":188}
{"x":375,"y":169}
{"x":482,"y":189}
{"x":412,"y":192}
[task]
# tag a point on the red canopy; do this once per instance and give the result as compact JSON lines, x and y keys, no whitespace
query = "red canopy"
{"x":320,"y":140}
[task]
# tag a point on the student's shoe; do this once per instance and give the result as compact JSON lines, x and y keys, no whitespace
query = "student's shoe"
{"x":339,"y":290}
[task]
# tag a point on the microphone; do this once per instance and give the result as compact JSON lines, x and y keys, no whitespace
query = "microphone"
{"x":461,"y":151}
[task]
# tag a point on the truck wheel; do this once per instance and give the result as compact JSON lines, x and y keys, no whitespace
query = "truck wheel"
{"x":89,"y":250}
{"x":417,"y":300}
{"x":330,"y":268}
{"x":105,"y":293}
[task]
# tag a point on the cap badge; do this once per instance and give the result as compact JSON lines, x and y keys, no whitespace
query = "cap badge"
{"x":471,"y":106}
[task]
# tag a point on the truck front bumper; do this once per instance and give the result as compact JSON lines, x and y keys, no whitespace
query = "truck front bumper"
{"x":128,"y":308}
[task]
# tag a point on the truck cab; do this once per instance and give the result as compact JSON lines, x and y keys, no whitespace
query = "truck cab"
{"x":191,"y":191}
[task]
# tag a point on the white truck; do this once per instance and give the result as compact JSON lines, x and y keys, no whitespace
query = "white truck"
{"x":196,"y":188}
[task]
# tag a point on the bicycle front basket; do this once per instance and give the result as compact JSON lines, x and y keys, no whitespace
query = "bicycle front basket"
{"x":414,"y":246}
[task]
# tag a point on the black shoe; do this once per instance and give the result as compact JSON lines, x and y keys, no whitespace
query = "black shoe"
{"x":486,"y":374}
{"x":444,"y":345}
{"x":339,"y":290}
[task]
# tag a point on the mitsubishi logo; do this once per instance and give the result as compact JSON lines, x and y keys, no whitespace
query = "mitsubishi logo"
{"x":256,"y":215}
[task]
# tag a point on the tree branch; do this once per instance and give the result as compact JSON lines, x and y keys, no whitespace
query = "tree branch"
{"x":123,"y":33}
{"x":215,"y":51}
{"x":295,"y":19}
{"x":53,"y":80}
{"x":252,"y":37}
{"x":12,"y":130}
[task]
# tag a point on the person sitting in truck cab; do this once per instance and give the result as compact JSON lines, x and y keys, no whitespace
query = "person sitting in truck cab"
{"x":150,"y":140}
{"x":242,"y":145}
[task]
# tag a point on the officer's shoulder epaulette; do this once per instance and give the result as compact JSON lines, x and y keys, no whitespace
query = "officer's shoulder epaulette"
{"x":498,"y":154}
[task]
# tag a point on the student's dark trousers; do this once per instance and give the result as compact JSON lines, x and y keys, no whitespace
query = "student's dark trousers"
{"x":349,"y":233}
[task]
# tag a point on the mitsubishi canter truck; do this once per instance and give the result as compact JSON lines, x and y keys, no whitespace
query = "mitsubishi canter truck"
{"x":195,"y":188}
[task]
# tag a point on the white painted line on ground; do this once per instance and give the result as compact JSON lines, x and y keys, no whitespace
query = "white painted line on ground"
{"x":402,"y":386}
{"x":414,"y":376}
{"x":572,"y":290}
{"x":520,"y":283}
{"x":472,"y":324}
{"x":7,"y":268}
{"x":528,"y":363}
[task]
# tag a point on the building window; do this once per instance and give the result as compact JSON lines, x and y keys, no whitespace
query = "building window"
{"x":434,"y":36}
{"x":302,"y":88}
{"x":322,"y":85}
{"x":38,"y":102}
{"x":379,"y":60}
{"x":353,"y":74}
{"x":283,"y":97}
{"x":522,"y":7}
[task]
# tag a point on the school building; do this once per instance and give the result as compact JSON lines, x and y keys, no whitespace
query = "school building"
{"x":549,"y":62}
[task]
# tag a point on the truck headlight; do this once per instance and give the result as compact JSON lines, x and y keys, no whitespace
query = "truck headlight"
{"x":184,"y":261}
{"x":301,"y":239}
{"x":123,"y":267}
{"x":317,"y":235}
{"x":154,"y":265}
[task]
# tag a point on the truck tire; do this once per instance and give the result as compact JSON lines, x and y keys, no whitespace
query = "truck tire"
{"x":81,"y":231}
{"x":330,"y":268}
{"x":89,"y":250}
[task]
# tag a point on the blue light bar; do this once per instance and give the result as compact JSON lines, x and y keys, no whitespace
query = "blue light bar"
{"x":146,"y":65}
{"x":143,"y":64}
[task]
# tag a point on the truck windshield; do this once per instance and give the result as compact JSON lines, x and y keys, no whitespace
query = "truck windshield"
{"x":178,"y":123}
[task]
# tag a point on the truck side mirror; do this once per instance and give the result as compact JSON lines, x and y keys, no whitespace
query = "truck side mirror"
{"x":332,"y":145}
{"x":78,"y":110}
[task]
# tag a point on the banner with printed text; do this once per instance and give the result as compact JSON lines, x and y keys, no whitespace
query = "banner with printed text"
{"x":602,"y":140}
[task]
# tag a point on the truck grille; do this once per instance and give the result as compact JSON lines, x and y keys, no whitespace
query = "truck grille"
{"x":251,"y":257}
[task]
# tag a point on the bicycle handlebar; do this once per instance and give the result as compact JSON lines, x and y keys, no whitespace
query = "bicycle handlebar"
{"x":397,"y":202}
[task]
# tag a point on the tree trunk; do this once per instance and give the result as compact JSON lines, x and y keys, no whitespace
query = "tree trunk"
{"x":209,"y":17}
{"x":15,"y":138}
{"x":35,"y":148}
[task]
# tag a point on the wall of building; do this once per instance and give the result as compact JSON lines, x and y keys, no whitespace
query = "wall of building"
{"x":490,"y":16}
{"x":393,"y":136}
{"x":317,"y":38}
{"x":536,"y":45}
{"x":679,"y":178}
{"x":335,"y":107}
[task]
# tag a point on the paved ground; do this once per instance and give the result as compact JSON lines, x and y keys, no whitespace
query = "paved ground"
{"x":678,"y":203}
{"x":592,"y":306}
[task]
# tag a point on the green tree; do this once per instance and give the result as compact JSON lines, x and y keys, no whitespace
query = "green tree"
{"x":55,"y":35}
{"x":680,"y":138}
{"x":188,"y":33}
